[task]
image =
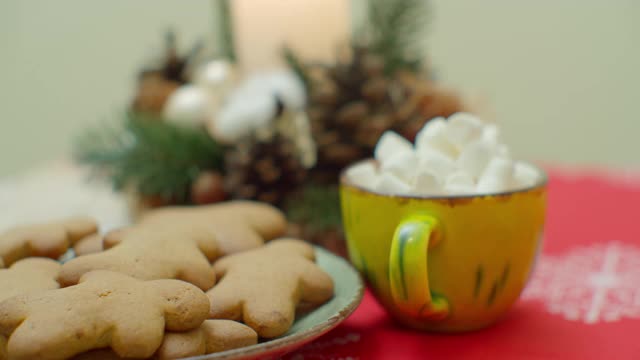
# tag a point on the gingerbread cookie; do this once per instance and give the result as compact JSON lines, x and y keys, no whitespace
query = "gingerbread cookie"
{"x":3,"y":348}
{"x":262,"y":287}
{"x":211,"y":337}
{"x":47,"y":240}
{"x":148,"y":254}
{"x":88,"y":245}
{"x":105,"y":309}
{"x":28,"y":275}
{"x":238,"y":225}
{"x":100,"y":354}
{"x":180,"y":243}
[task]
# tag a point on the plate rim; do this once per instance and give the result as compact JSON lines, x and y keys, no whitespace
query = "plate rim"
{"x":309,"y":334}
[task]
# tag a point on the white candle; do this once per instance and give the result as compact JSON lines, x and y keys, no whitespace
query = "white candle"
{"x":312,"y":28}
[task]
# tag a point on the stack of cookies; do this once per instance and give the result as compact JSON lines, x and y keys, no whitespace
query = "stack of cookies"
{"x":181,"y":282}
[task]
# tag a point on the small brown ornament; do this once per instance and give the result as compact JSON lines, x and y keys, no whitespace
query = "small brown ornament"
{"x":208,"y":188}
{"x":153,"y":92}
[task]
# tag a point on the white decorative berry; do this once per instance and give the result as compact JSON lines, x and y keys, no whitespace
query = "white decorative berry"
{"x":189,"y":105}
{"x":215,"y":74}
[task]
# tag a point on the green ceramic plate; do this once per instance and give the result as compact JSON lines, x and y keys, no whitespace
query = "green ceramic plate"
{"x":348,"y":294}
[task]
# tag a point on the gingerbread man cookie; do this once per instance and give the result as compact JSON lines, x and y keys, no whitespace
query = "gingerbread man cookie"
{"x":105,"y":309}
{"x":47,"y":240}
{"x":263,"y":287}
{"x":149,"y":254}
{"x":24,"y":277}
{"x":239,"y":225}
{"x":180,"y":243}
{"x":29,"y":275}
{"x":211,"y":337}
{"x":88,"y":245}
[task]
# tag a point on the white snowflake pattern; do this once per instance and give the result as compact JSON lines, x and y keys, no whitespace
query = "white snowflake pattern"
{"x":591,"y":284}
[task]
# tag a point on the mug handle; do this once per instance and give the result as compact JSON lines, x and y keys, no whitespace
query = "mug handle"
{"x":408,"y":276}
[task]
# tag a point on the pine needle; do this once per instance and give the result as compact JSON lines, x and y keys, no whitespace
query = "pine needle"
{"x":393,"y":29}
{"x":317,"y":206}
{"x":297,"y":66}
{"x":153,"y":156}
{"x":227,"y":41}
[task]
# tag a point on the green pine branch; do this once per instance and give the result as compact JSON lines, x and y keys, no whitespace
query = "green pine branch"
{"x":297,"y":66}
{"x":152,"y":156}
{"x":394,"y":29}
{"x":317,"y":206}
{"x":225,"y":29}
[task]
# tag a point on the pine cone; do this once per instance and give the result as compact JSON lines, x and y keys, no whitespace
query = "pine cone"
{"x":353,"y":102}
{"x":265,"y":171}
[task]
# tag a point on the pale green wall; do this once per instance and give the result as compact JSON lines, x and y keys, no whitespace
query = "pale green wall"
{"x":67,"y":63}
{"x":562,"y":75}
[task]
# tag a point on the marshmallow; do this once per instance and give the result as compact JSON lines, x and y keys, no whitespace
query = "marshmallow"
{"x":425,"y":183}
{"x":459,"y":183}
{"x":390,"y":144}
{"x":458,"y":156}
{"x":391,"y":184}
{"x":433,"y":136}
{"x":475,"y":157}
{"x":491,"y":133}
{"x":403,"y":165}
{"x":524,"y":175}
{"x":459,"y":178}
{"x":364,"y":174}
{"x":453,"y":189}
{"x":463,"y":128}
{"x":497,"y":177}
{"x":436,"y":163}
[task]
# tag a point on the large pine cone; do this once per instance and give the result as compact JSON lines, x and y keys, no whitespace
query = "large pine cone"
{"x":353,"y":103}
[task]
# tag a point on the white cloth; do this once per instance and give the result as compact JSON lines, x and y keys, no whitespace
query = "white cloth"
{"x":57,"y":191}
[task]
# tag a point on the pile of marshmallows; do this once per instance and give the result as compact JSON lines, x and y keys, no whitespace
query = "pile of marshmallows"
{"x":458,"y":156}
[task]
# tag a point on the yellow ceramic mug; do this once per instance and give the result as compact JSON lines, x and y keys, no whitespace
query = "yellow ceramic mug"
{"x":453,"y":263}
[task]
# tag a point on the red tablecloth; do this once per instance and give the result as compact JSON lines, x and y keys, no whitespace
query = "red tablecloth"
{"x":583,"y":301}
